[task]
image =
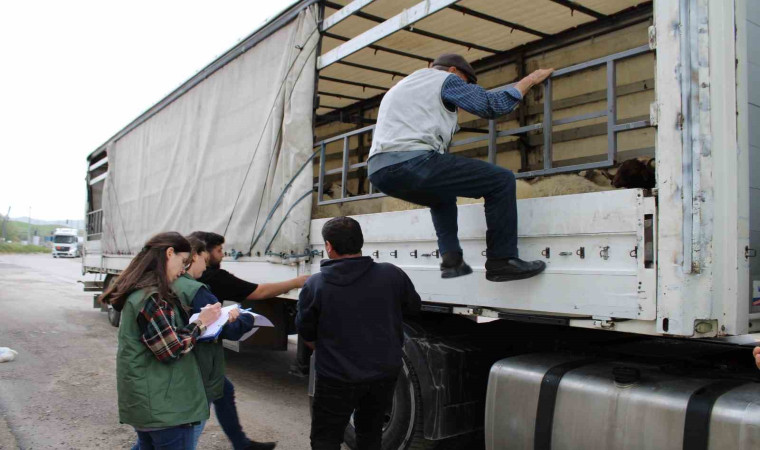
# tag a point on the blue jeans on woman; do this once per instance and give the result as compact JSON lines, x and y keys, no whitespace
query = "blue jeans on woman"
{"x":175,"y":438}
{"x":226,"y":414}
{"x":197,"y":430}
{"x":436,"y":180}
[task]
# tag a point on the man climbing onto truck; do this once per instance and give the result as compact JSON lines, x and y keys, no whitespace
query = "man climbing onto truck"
{"x":409,"y":160}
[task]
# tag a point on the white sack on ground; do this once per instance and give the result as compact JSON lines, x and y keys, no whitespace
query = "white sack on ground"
{"x":7,"y":354}
{"x":213,"y":151}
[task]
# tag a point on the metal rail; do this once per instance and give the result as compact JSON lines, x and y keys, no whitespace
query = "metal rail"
{"x":546,"y":127}
{"x":94,"y":224}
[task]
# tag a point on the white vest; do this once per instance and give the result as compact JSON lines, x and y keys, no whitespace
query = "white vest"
{"x":412,"y":116}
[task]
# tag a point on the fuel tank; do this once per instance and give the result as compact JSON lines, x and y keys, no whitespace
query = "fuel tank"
{"x":558,"y":401}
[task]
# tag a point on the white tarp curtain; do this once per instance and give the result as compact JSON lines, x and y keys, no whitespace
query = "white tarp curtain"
{"x":219,"y":157}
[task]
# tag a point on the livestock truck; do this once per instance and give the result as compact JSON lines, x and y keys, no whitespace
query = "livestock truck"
{"x":639,"y":333}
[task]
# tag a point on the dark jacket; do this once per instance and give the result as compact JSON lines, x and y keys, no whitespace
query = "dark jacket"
{"x":353,"y":308}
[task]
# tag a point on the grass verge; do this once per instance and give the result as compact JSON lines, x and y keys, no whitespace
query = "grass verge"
{"x":18,"y":248}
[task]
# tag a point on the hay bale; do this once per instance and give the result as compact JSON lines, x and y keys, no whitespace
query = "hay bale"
{"x":563,"y":184}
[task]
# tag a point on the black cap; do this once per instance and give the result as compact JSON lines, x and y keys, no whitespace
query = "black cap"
{"x":454,"y":60}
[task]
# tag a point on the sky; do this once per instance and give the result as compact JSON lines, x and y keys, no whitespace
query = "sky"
{"x":73,"y":73}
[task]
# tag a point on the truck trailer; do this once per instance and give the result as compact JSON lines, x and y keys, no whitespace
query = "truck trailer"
{"x":639,"y":333}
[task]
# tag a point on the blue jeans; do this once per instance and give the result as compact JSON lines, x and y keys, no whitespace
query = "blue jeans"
{"x":436,"y":180}
{"x":176,"y":438}
{"x":197,"y":430}
{"x":226,"y":414}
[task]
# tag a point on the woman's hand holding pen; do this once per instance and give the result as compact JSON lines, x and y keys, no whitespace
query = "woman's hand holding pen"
{"x":234,"y":314}
{"x":210,"y":313}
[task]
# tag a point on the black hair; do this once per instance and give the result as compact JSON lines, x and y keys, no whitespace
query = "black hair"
{"x":210,"y":239}
{"x":344,"y":234}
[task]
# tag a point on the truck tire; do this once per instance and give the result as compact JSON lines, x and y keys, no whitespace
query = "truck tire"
{"x":403,"y":427}
{"x":114,"y":316}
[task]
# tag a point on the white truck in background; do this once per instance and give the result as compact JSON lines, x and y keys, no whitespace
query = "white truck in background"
{"x":638,"y":335}
{"x":66,"y":243}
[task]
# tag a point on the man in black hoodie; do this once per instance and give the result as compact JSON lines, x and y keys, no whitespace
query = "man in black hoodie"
{"x":351,"y":312}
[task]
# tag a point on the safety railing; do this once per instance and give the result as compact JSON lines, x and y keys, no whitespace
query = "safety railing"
{"x":94,"y":224}
{"x":344,"y":169}
{"x":546,"y":128}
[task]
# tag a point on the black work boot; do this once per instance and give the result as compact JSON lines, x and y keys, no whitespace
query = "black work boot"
{"x":508,"y":269}
{"x":453,"y":265}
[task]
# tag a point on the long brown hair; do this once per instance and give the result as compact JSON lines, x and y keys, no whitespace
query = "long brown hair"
{"x":146,"y":270}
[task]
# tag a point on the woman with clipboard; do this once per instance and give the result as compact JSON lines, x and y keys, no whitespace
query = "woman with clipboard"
{"x":159,"y":387}
{"x":210,"y":353}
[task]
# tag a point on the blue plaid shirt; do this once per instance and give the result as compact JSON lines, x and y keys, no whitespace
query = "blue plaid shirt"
{"x":476,"y":100}
{"x":472,"y":98}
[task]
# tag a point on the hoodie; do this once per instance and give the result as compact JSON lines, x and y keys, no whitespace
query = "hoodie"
{"x":353,"y":308}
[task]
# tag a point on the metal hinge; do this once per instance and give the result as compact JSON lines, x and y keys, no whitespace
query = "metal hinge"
{"x":749,"y":252}
{"x":652,"y":37}
{"x":606,"y":324}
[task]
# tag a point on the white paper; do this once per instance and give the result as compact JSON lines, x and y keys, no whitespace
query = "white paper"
{"x":258,"y":321}
{"x":214,"y":329}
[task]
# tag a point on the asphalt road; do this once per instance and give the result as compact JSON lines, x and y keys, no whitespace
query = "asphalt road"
{"x":60,"y":392}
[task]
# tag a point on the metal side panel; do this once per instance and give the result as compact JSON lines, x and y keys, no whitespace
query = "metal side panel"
{"x":263,"y":272}
{"x":91,"y":256}
{"x":91,"y":263}
{"x":595,"y":255}
{"x":115,"y":263}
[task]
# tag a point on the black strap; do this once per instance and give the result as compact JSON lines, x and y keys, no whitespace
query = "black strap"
{"x":696,"y":430}
{"x":547,"y":399}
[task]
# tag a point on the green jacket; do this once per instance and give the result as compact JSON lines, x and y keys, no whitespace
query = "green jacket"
{"x":210,"y":355}
{"x":154,"y":394}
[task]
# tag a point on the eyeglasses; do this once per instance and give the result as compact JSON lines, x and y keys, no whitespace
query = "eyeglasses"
{"x":186,"y":264}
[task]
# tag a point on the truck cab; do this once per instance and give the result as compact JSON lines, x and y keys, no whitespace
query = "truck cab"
{"x":66,"y":243}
